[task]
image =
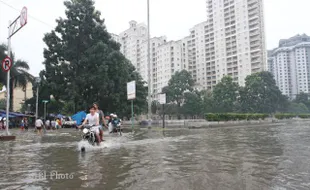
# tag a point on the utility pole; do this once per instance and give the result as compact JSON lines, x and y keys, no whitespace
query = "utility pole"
{"x":13,"y":28}
{"x":38,"y":80}
{"x":149,"y":65}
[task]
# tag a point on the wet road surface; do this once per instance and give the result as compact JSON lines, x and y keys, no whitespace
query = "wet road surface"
{"x":235,"y":158}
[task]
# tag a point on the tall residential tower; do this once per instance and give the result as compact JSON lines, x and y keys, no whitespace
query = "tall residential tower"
{"x":290,"y":65}
{"x":234,"y":41}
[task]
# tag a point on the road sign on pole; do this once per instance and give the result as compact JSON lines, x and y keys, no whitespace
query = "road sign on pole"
{"x":162,"y":98}
{"x":131,"y":90}
{"x":131,"y":95}
{"x":23,"y":17}
{"x":13,"y":28}
{"x":6,"y":64}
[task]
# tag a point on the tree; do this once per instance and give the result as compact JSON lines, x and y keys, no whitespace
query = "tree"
{"x":261,"y":94}
{"x":2,"y":104}
{"x":155,"y":107}
{"x":303,"y":98}
{"x":179,"y":83}
{"x":297,"y":108}
{"x":225,"y":95}
{"x":193,"y":105}
{"x":84,"y":65}
{"x":19,"y":75}
{"x":207,"y":102}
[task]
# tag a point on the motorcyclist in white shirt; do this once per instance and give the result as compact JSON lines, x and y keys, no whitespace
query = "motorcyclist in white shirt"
{"x":93,"y":119}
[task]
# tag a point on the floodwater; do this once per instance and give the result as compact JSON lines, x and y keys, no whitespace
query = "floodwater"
{"x":234,"y":158}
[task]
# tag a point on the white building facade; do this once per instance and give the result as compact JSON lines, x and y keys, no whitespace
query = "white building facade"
{"x":290,"y":65}
{"x":166,"y":57}
{"x":131,"y":41}
{"x":234,"y":41}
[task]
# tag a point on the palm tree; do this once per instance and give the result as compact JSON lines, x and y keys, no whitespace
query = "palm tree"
{"x":19,"y":75}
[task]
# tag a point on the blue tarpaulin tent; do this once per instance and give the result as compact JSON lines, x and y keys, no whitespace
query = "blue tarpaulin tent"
{"x":78,"y":117}
{"x":4,"y":115}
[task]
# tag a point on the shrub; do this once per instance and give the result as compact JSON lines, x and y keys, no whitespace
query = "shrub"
{"x":234,"y":116}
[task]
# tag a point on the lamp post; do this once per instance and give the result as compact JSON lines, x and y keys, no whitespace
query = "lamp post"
{"x":149,"y":64}
{"x":38,"y":80}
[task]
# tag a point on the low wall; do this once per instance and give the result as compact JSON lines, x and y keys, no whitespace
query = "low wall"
{"x":206,"y":124}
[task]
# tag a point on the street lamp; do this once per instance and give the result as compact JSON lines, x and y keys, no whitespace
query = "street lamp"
{"x":38,"y":80}
{"x":149,"y":64}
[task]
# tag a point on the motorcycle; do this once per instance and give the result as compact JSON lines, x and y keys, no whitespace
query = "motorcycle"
{"x":89,"y":135}
{"x":115,"y":128}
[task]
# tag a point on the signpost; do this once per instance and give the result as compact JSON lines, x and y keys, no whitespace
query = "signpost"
{"x":162,"y":100}
{"x":131,"y":95}
{"x":6,"y":64}
{"x":14,"y":27}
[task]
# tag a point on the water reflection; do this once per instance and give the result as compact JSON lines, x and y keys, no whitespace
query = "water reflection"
{"x":219,"y":158}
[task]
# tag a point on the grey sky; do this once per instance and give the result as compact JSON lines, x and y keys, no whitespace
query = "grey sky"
{"x":172,"y":18}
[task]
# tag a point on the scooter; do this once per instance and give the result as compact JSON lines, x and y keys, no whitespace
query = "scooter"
{"x":115,"y":128}
{"x":89,"y":135}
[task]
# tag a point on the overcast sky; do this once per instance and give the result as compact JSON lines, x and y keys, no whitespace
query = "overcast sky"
{"x":172,"y":18}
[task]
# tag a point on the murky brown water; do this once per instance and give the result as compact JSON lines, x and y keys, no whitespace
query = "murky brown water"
{"x":237,"y":158}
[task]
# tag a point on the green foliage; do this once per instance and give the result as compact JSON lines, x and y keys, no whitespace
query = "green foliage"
{"x":19,"y":73}
{"x":284,"y":115}
{"x":234,"y":116}
{"x":179,"y":83}
{"x":193,"y":105}
{"x":261,"y":94}
{"x":84,"y":65}
{"x":225,"y":95}
{"x":304,"y":116}
{"x":155,"y":107}
{"x":2,"y":104}
{"x":297,"y":108}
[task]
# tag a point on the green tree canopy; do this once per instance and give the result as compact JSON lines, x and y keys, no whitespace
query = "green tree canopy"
{"x":19,"y":75}
{"x":261,"y":94}
{"x":84,"y":65}
{"x":179,"y":83}
{"x":225,"y":95}
{"x":193,"y":104}
{"x":297,"y":108}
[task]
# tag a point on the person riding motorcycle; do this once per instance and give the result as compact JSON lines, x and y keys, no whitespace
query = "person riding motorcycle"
{"x":113,"y":123}
{"x":93,"y":119}
{"x":101,"y":120}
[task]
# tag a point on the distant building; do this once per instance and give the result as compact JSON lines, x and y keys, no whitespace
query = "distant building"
{"x":197,"y":54}
{"x":290,"y":65}
{"x":234,"y":41}
{"x":19,"y":96}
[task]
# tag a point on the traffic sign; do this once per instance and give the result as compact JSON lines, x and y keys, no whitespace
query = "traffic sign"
{"x":131,"y":90}
{"x":23,"y":17}
{"x":162,"y":98}
{"x":45,"y":101}
{"x":6,"y":64}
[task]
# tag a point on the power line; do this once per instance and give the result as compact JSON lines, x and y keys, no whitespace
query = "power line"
{"x":34,"y":18}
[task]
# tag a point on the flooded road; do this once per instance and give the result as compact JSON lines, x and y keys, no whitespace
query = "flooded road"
{"x":236,"y":158}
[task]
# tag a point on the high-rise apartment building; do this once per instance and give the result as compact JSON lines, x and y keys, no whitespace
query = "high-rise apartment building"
{"x":131,"y":41}
{"x":155,"y":43}
{"x":290,"y":65}
{"x":234,"y":41}
{"x":196,"y":53}
{"x":165,"y":57}
{"x":171,"y":57}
